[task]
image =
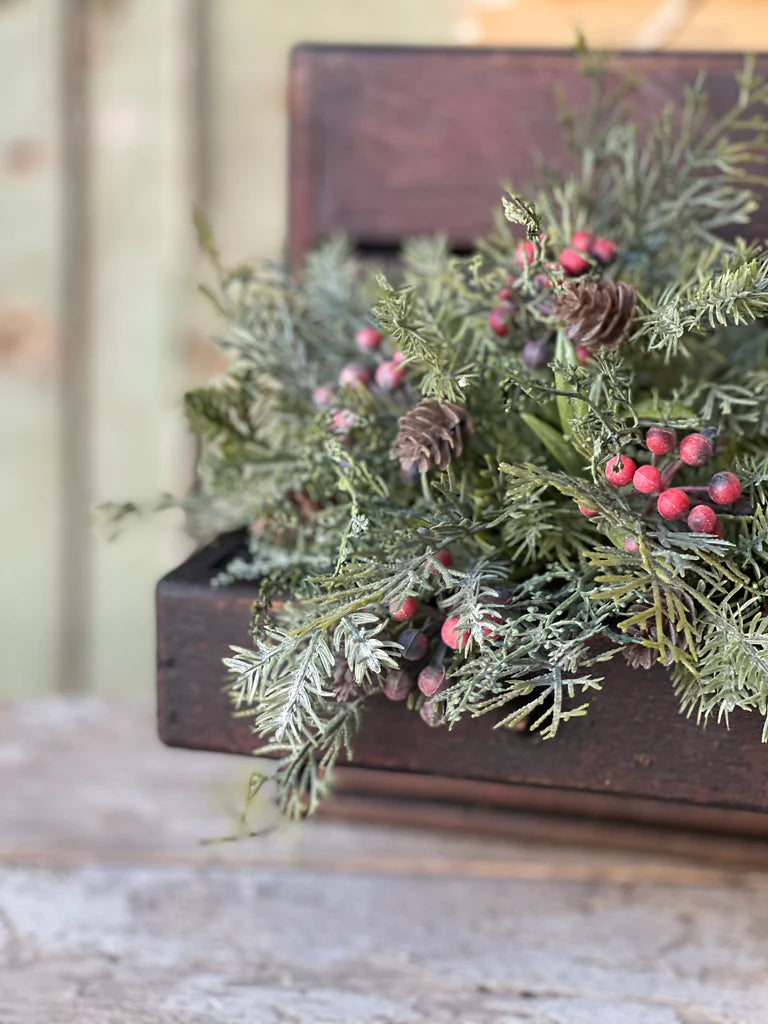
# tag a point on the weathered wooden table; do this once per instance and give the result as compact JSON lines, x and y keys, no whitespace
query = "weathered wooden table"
{"x":112,"y":912}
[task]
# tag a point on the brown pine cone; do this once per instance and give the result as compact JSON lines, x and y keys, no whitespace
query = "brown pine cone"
{"x":432,"y":434}
{"x":638,"y":656}
{"x":344,"y":685}
{"x":597,"y":314}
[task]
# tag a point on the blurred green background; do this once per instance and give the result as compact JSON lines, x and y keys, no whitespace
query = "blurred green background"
{"x":117,"y":117}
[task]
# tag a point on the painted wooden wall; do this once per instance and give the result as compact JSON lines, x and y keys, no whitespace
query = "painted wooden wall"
{"x":117,"y":116}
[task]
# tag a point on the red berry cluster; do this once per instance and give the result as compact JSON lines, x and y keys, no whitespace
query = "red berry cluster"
{"x":584,"y":244}
{"x":424,"y":648}
{"x":385,"y":375}
{"x":675,"y":503}
{"x":585,"y":250}
{"x":501,"y":317}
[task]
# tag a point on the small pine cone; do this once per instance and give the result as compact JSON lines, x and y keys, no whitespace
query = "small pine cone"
{"x":342,"y":680}
{"x":639,"y":656}
{"x":597,"y":314}
{"x":432,"y":434}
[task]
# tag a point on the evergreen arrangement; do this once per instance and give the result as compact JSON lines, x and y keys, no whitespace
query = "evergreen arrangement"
{"x":475,"y":485}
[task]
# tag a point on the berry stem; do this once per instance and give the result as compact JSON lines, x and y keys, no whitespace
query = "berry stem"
{"x":439,"y":654}
{"x":671,"y":471}
{"x":651,"y":503}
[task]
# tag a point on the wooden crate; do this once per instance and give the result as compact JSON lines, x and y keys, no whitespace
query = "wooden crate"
{"x":633,"y":741}
{"x":387,"y":143}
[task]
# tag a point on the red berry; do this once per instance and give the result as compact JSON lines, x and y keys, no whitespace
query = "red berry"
{"x":401,"y":612}
{"x":444,"y":557}
{"x":603,"y":250}
{"x":398,"y":358}
{"x":505,"y":294}
{"x":647,"y":480}
{"x":660,"y":440}
{"x":415,"y":644}
{"x":388,"y":375}
{"x":724,"y":488}
{"x":431,"y":680}
{"x":673,"y":503}
{"x":630,"y":544}
{"x":573,"y":263}
{"x":619,"y":470}
{"x":453,"y":637}
{"x":343,"y":420}
{"x":525,"y":253}
{"x":353,"y":375}
{"x":488,"y":631}
{"x":322,"y":396}
{"x":368,"y":339}
{"x":702,"y":519}
{"x":696,"y":449}
{"x":583,"y":354}
{"x":583,"y":241}
{"x":588,"y":512}
{"x":541,"y":282}
{"x":499,"y":320}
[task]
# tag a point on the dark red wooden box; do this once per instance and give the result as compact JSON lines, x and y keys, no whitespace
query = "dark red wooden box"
{"x":387,"y":143}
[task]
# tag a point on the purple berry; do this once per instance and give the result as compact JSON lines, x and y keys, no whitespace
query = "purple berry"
{"x":415,"y":644}
{"x":536,"y":354}
{"x":397,"y":683}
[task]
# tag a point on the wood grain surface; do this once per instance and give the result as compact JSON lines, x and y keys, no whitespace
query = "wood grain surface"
{"x":112,"y":911}
{"x":388,"y":143}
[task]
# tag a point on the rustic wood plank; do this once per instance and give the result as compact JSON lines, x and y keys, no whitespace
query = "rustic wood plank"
{"x":75,"y":349}
{"x":110,"y":910}
{"x":390,"y":143}
{"x":633,"y":742}
{"x":484,"y":808}
{"x":143,"y":180}
{"x":141,"y":802}
{"x":249,"y":49}
{"x":231,"y":946}
{"x":29,"y":212}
